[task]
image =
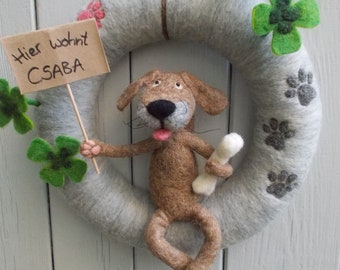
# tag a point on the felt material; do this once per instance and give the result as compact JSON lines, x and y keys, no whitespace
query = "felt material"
{"x":205,"y":183}
{"x":302,"y":86}
{"x":59,"y":161}
{"x":164,"y":23}
{"x":33,"y":102}
{"x":13,"y":105}
{"x":282,"y":17}
{"x":93,"y":10}
{"x":173,"y":165}
{"x":286,"y":43}
{"x":309,"y":13}
{"x":241,"y":205}
{"x":172,"y":170}
{"x":133,"y":88}
{"x":210,"y":99}
{"x":278,"y":133}
{"x":155,"y":237}
{"x":161,"y":134}
{"x":281,"y":183}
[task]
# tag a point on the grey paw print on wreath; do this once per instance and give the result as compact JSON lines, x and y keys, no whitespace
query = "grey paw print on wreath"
{"x":301,"y":86}
{"x":281,"y":184}
{"x":278,"y":133}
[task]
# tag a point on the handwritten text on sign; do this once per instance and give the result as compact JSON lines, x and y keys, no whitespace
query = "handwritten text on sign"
{"x":56,"y":56}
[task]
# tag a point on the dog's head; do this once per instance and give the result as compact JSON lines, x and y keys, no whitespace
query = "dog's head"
{"x":168,"y":100}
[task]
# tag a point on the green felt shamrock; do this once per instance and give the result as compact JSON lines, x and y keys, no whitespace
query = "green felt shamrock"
{"x":282,"y":17}
{"x":13,"y":105}
{"x":59,"y":161}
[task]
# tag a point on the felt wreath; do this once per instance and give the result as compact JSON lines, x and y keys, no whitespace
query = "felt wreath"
{"x":283,"y":89}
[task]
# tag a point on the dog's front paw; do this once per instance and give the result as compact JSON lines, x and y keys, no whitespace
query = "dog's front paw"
{"x":90,"y":149}
{"x":219,"y":170}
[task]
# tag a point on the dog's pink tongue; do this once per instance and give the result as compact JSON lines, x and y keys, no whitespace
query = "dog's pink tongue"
{"x":161,"y":134}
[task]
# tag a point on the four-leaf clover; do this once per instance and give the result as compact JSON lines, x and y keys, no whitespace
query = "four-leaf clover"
{"x":282,"y":17}
{"x":13,"y":105}
{"x":59,"y":161}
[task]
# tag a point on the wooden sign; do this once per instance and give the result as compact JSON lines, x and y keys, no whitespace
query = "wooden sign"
{"x":56,"y":56}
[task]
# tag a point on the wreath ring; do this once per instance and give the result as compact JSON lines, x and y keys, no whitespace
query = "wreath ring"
{"x":287,"y":125}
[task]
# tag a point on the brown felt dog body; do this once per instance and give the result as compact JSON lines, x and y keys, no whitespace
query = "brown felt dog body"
{"x":167,"y":104}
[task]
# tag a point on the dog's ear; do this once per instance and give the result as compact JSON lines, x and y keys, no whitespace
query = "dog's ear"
{"x":133,"y":88}
{"x":212,"y":100}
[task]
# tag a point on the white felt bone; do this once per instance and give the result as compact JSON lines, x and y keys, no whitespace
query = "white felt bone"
{"x":230,"y":145}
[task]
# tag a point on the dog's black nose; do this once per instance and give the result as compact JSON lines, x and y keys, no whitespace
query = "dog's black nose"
{"x":161,"y":108}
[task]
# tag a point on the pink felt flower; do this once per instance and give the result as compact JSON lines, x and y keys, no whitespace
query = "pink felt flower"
{"x":99,"y":14}
{"x":99,"y":24}
{"x":96,"y":6}
{"x":93,"y":10}
{"x":84,"y":15}
{"x":90,"y":5}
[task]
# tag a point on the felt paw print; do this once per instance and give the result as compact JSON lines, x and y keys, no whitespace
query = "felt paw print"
{"x":278,"y":133}
{"x":301,"y":86}
{"x":281,"y":183}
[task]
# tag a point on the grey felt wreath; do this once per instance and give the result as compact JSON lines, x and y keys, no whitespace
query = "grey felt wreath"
{"x":287,"y":126}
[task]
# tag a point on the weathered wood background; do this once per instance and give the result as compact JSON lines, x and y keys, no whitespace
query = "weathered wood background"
{"x":38,"y":231}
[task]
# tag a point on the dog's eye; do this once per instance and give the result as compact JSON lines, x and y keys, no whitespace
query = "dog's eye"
{"x":178,"y":85}
{"x":156,"y":83}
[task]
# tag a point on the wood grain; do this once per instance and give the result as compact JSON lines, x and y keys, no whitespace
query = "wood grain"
{"x":305,"y":236}
{"x":24,"y":221}
{"x":76,"y":243}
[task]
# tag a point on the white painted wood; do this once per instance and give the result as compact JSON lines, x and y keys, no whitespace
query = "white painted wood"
{"x":242,"y":115}
{"x":303,"y":237}
{"x":24,"y":221}
{"x":306,"y":235}
{"x":76,"y":243}
{"x":52,"y":13}
{"x":203,"y":63}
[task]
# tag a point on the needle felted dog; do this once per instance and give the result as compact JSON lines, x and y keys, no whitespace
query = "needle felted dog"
{"x":167,"y":105}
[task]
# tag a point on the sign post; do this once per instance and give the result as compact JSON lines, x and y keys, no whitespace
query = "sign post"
{"x":57,"y":56}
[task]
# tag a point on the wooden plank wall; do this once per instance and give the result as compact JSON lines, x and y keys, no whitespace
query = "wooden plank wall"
{"x":38,"y":231}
